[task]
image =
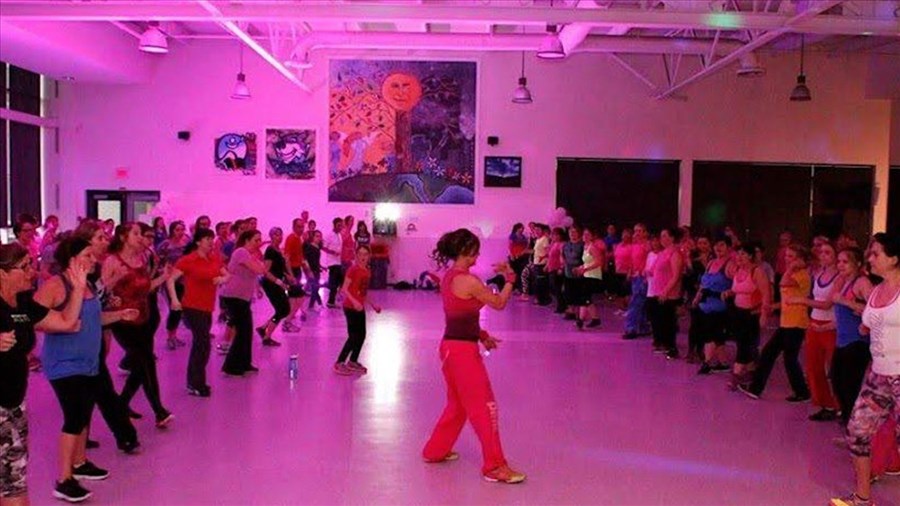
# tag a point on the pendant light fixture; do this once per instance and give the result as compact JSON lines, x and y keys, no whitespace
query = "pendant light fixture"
{"x":522,"y":95}
{"x":551,"y":47}
{"x":241,"y":91}
{"x":801,"y":91}
{"x":153,"y":40}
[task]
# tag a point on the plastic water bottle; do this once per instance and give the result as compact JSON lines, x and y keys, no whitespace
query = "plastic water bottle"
{"x":293,"y":368}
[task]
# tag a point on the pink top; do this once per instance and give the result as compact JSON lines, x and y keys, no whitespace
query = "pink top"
{"x":663,"y":273}
{"x":746,"y":294}
{"x":639,"y":252}
{"x":622,"y":255}
{"x":462,"y":315}
{"x":554,"y":258}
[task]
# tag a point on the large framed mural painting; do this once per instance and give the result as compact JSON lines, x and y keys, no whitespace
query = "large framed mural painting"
{"x":402,"y":131}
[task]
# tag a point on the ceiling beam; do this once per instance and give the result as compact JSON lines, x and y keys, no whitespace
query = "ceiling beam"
{"x":490,"y":14}
{"x":814,"y":10}
{"x":243,"y":35}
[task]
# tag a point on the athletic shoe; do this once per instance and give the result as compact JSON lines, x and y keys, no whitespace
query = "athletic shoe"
{"x":569,"y":317}
{"x":705,"y":369}
{"x":270,"y":342}
{"x":88,"y":471}
{"x":199,"y":392}
{"x":252,"y":368}
{"x":579,"y":324}
{"x":672,"y":354}
{"x":450,"y":457}
{"x":746,"y":391}
{"x":232,"y":373}
{"x":223,"y":348}
{"x":129,"y":447}
{"x":628,"y":336}
{"x":357,"y":367}
{"x":71,"y":491}
{"x":824,"y":415}
{"x":504,"y":474}
{"x":290,"y":327}
{"x":164,"y":419}
{"x":851,"y":500}
{"x":595,"y":322}
{"x":795,"y":399}
{"x":342,"y":369}
{"x":92,"y":445}
{"x":659,"y":349}
{"x":134,"y":415}
{"x":718,"y":368}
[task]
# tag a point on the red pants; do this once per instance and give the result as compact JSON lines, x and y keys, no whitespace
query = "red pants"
{"x":819,"y":350}
{"x":469,"y":397}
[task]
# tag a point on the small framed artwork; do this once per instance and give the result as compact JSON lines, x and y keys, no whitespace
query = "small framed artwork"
{"x":503,"y":171}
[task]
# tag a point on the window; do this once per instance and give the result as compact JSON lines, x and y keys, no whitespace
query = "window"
{"x":623,"y":192}
{"x":20,"y":147}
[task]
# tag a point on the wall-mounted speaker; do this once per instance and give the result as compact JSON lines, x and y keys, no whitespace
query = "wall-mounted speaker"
{"x":493,"y":140}
{"x":184,"y":135}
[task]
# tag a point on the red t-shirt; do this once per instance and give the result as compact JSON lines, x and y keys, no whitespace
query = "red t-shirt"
{"x":199,"y":289}
{"x":348,"y":246}
{"x":293,"y":250}
{"x":359,"y":284}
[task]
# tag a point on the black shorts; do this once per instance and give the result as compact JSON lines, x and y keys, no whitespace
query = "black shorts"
{"x":77,"y":396}
{"x":711,"y":327}
{"x":574,"y":291}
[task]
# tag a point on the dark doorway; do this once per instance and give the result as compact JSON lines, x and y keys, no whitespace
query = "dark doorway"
{"x":601,"y":191}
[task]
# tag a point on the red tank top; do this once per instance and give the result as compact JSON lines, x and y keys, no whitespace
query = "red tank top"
{"x":134,"y":290}
{"x":462,"y":315}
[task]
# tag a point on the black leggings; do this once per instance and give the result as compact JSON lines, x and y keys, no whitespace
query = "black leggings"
{"x":279,"y":300}
{"x":174,"y":316}
{"x":744,"y":327}
{"x":111,"y":407}
{"x":848,"y":371}
{"x":335,"y":280}
{"x":77,"y":396}
{"x":240,"y":318}
{"x":356,"y":335}
{"x":789,"y":341}
{"x":664,"y":319}
{"x":137,"y":341}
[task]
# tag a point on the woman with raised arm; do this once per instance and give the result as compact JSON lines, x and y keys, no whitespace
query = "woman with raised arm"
{"x":469,"y":393}
{"x":20,"y":315}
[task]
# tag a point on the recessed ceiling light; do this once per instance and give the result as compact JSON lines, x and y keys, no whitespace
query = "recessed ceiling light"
{"x":66,"y":78}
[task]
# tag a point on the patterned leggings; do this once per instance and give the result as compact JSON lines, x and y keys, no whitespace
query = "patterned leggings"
{"x":879,"y":399}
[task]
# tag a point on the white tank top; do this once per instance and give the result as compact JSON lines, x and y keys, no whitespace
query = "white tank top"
{"x":821,"y":293}
{"x":884,"y":325}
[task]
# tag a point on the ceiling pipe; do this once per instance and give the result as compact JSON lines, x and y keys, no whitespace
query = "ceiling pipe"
{"x":505,"y":42}
{"x":762,"y":40}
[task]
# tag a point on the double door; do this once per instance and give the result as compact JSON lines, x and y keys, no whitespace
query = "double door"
{"x":121,"y":205}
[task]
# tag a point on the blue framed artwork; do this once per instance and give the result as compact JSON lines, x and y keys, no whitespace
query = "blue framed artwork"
{"x":503,"y":171}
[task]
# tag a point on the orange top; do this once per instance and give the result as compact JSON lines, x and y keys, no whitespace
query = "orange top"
{"x":293,"y":250}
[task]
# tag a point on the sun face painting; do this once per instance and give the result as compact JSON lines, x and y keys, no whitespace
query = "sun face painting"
{"x":402,"y":131}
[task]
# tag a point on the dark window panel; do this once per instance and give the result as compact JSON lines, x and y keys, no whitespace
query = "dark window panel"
{"x":598,"y":192}
{"x":757,"y":200}
{"x":25,"y":168}
{"x":4,"y":194}
{"x":893,"y":221}
{"x":24,"y":91}
{"x":842,"y":201}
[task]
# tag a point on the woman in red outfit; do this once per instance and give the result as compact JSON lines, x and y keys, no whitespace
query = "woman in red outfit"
{"x":469,"y":394}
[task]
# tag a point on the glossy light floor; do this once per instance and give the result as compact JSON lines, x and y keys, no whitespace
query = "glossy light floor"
{"x":590,"y":418}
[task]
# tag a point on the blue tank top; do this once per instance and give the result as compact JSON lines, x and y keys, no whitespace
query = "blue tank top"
{"x":712,"y":284}
{"x":847,"y":321}
{"x":75,"y":353}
